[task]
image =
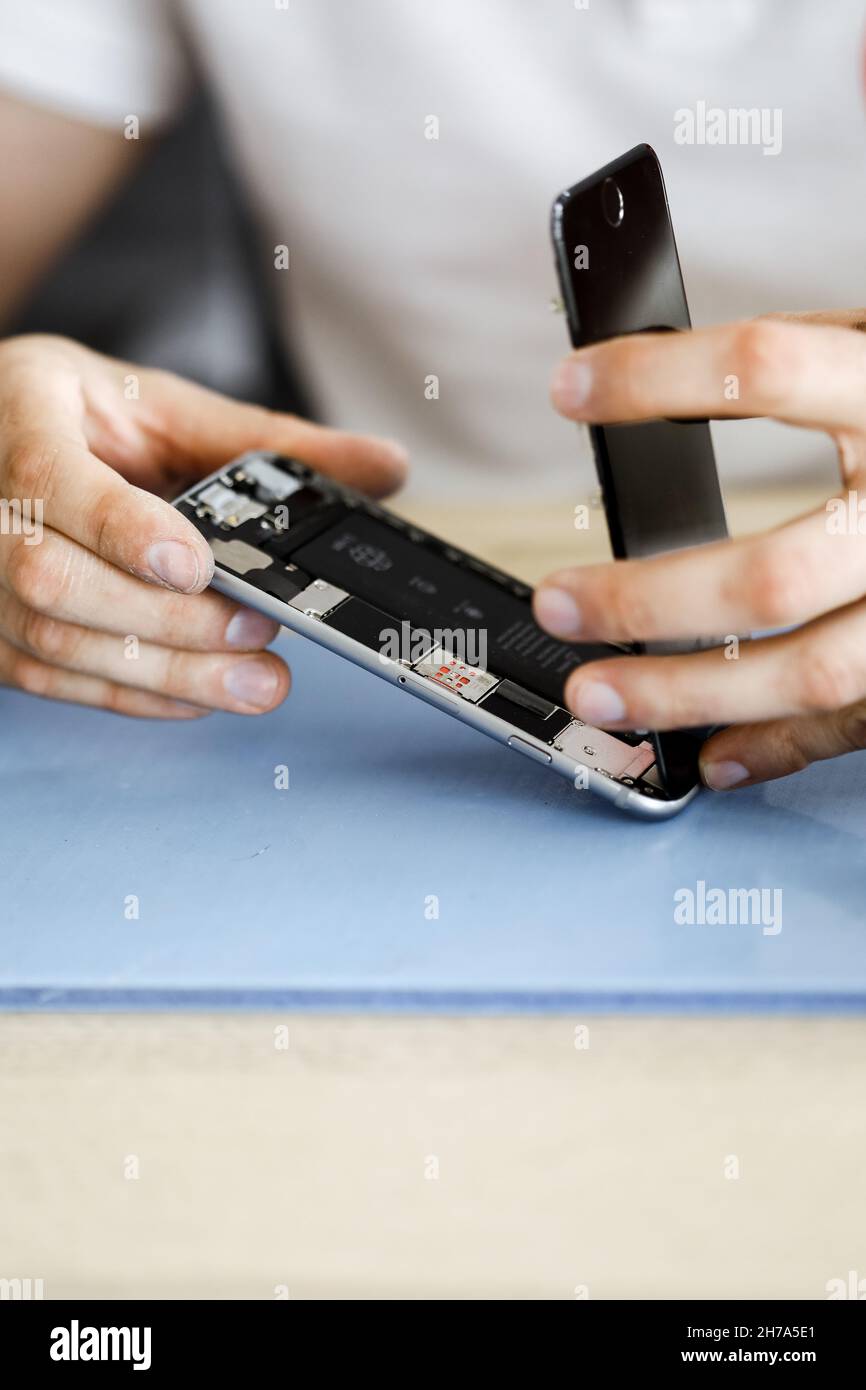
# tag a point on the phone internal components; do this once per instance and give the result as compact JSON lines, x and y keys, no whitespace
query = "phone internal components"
{"x":469,"y":681}
{"x":598,"y":749}
{"x":229,"y":507}
{"x":318,"y":599}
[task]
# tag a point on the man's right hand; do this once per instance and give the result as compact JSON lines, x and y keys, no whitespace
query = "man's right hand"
{"x":93,"y":446}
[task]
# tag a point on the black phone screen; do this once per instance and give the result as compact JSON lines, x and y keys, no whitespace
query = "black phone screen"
{"x":620,"y":273}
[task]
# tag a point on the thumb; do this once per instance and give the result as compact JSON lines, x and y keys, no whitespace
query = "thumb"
{"x":202,"y":430}
{"x":748,"y":753}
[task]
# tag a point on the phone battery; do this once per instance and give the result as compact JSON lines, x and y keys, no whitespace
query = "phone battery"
{"x":415,"y":583}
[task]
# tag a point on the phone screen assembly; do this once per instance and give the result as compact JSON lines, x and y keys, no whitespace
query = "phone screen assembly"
{"x":619,"y":273}
{"x":433,"y":620}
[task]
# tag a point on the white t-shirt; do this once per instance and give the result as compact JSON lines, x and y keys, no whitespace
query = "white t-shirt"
{"x":413,"y":257}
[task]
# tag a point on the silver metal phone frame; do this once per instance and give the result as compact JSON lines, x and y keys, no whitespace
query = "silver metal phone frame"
{"x":401,"y":675}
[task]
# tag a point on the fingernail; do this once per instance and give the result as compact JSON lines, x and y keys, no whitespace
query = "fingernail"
{"x":251,"y":629}
{"x":251,"y":683}
{"x":572,"y":384}
{"x":174,"y":563}
{"x":599,"y":704}
{"x":557,"y":611}
{"x":724,"y":775}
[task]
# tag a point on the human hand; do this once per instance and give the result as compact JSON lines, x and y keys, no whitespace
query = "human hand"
{"x":790,"y":699}
{"x":91,"y":554}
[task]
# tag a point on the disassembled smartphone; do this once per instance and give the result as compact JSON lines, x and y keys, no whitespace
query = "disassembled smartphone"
{"x":325,"y":561}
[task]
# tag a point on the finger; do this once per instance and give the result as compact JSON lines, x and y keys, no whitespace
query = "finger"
{"x":45,"y":458}
{"x":70,"y":489}
{"x":750,"y":753}
{"x":801,"y":373}
{"x":63,"y":580}
{"x":248,"y":684}
{"x":817,"y":669}
{"x":35,"y":677}
{"x":793,"y":574}
{"x":204,"y":430}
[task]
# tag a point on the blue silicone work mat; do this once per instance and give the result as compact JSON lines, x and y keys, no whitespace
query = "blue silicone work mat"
{"x":410,"y":864}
